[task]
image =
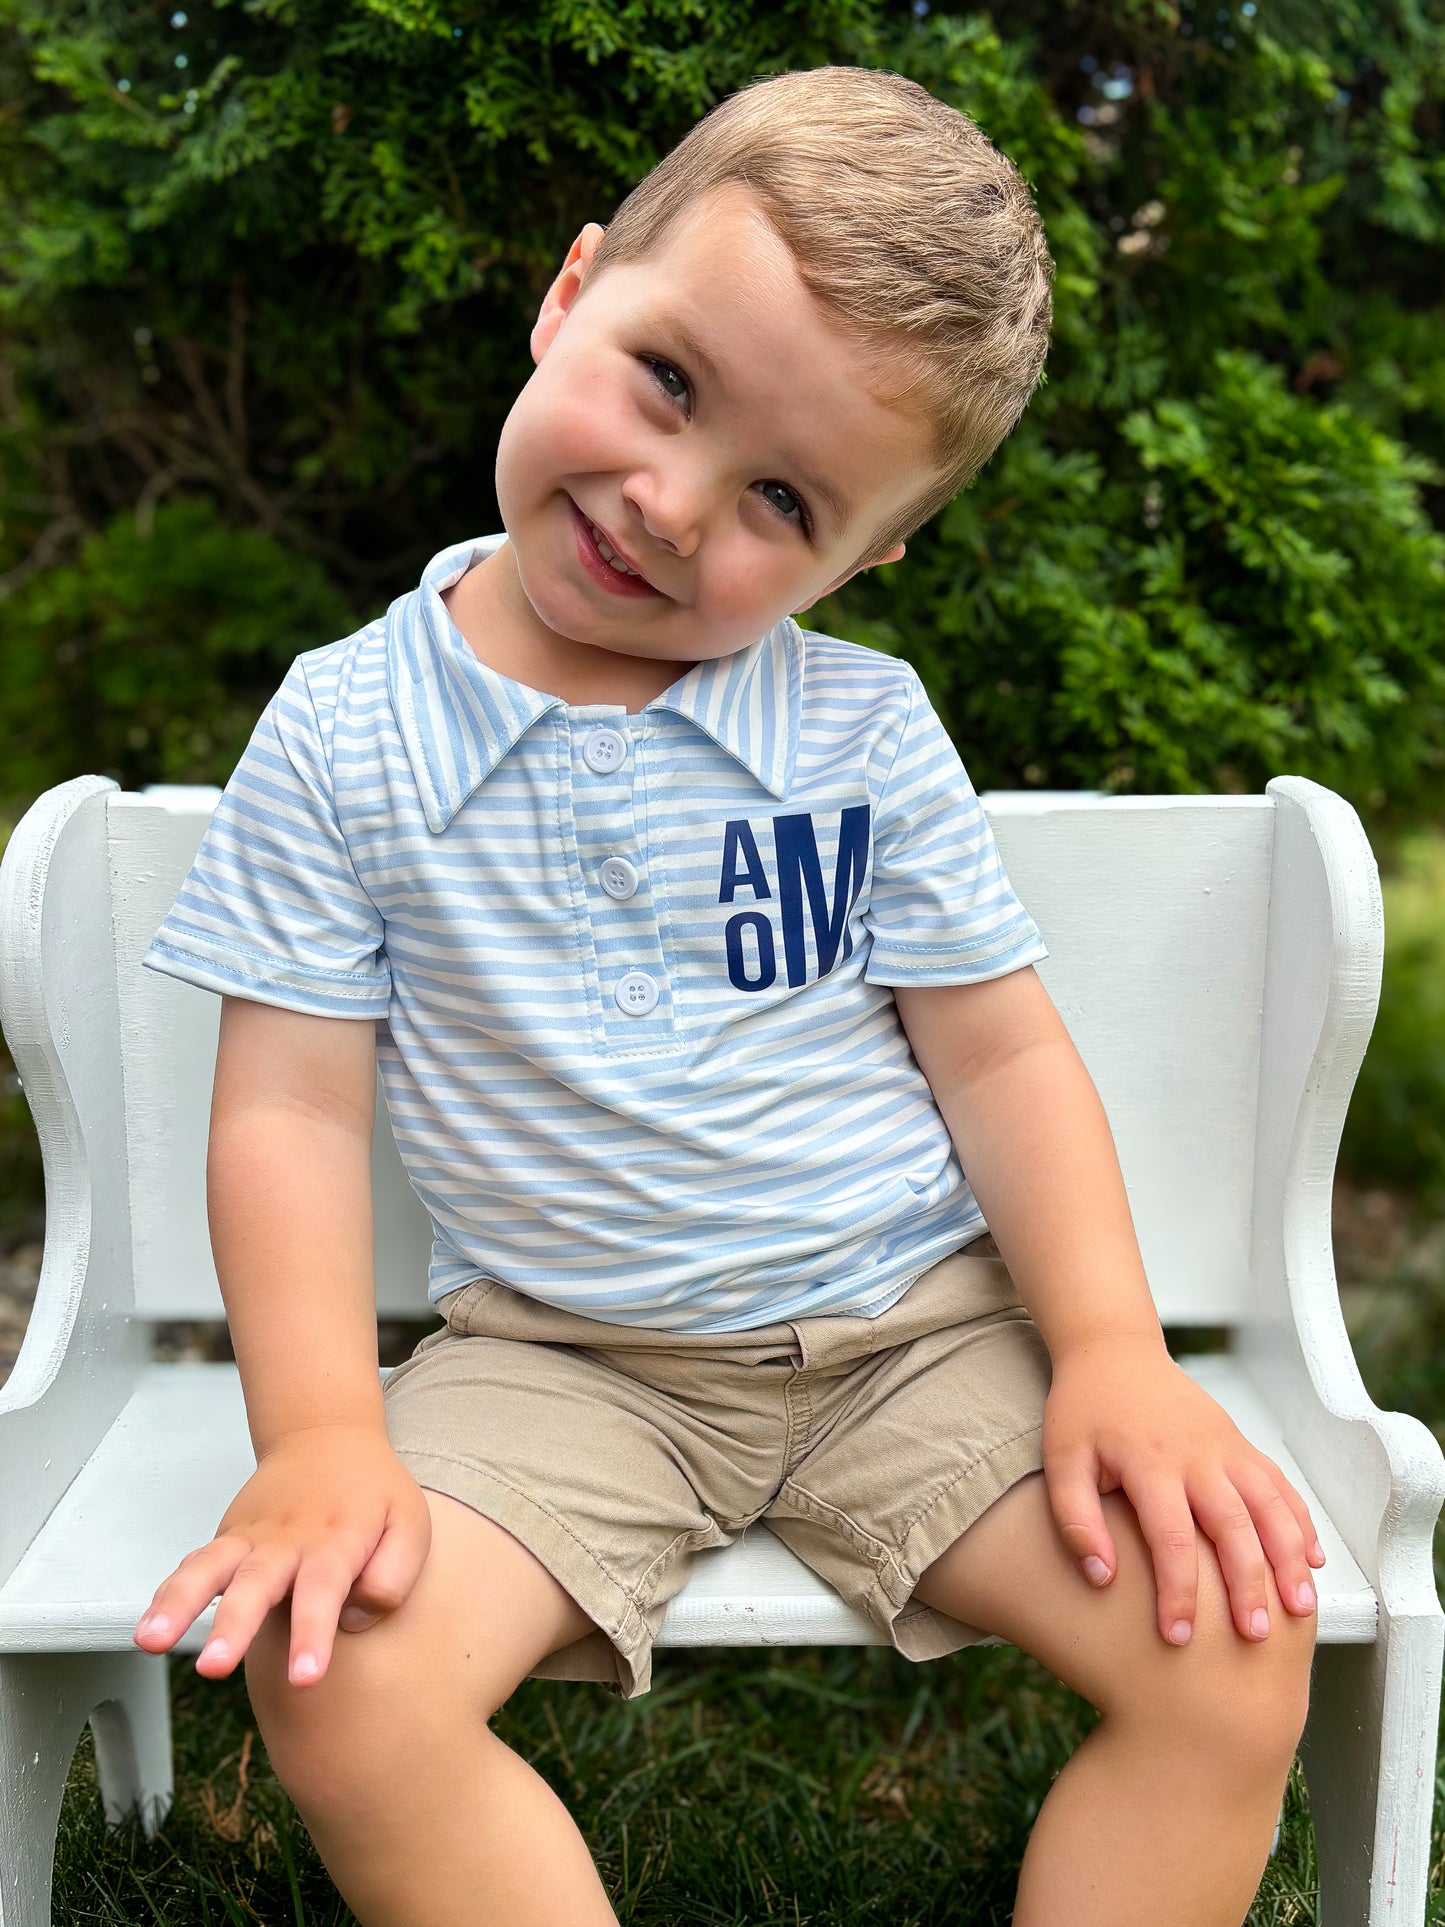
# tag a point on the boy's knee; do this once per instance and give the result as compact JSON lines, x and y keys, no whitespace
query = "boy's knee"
{"x":337,"y":1735}
{"x":1243,"y":1716}
{"x":288,"y":1717}
{"x":292,"y":1720}
{"x":1238,"y":1700}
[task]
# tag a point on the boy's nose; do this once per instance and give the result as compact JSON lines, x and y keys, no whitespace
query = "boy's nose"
{"x":672,"y":522}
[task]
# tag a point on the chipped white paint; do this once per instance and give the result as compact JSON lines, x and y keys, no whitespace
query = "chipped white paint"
{"x":1217,"y":961}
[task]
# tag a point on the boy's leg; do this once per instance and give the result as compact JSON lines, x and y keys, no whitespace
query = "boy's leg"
{"x":423,"y":1817}
{"x":1166,"y":1810}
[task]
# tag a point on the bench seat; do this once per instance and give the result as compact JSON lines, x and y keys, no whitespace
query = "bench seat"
{"x":135,"y":1510}
{"x":1217,"y":962}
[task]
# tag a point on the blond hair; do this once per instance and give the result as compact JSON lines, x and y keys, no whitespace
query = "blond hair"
{"x":914,"y":234}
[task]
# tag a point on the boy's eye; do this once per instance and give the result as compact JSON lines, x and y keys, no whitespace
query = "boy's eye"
{"x":781,"y":498}
{"x":673,"y":384}
{"x":777,"y":494}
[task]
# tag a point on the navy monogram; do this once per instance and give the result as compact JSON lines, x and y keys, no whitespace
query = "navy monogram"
{"x":796,"y":847}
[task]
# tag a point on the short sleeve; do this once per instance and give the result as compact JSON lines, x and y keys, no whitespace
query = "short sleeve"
{"x":941,"y":909}
{"x":272,"y":907}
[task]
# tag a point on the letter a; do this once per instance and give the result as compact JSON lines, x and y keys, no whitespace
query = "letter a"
{"x":738,"y":839}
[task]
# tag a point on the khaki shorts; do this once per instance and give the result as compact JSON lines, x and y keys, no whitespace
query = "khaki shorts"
{"x":615,"y":1452}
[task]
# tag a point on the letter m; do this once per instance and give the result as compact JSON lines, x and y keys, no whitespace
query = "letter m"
{"x":797,"y":850}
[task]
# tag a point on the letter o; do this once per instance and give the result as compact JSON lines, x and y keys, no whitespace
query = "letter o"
{"x":767,"y":957}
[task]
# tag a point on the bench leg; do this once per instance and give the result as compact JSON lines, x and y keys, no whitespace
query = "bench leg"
{"x":132,"y":1728}
{"x":1368,"y":1754}
{"x":45,"y":1701}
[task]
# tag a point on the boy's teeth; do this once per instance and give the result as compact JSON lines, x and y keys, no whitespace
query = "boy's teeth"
{"x":607,"y":553}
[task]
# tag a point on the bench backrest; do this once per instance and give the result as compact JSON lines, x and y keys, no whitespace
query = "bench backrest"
{"x":1155,"y":911}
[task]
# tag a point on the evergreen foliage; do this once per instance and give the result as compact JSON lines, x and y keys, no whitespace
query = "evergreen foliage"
{"x":1395,"y":1134}
{"x":268,"y":269}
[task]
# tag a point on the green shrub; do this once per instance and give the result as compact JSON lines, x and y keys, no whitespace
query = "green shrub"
{"x":1275,"y":607}
{"x":22,"y":1179}
{"x":1395,"y":1132}
{"x":286,"y":258}
{"x":149,"y":657}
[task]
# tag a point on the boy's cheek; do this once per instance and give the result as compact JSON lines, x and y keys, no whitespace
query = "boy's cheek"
{"x":570,"y":422}
{"x":746,"y":584}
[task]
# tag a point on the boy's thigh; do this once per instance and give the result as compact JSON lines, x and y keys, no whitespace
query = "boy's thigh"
{"x":612,"y":1465}
{"x":481,"y":1614}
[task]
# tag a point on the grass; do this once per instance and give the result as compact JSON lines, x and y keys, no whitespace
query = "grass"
{"x":807,"y":1788}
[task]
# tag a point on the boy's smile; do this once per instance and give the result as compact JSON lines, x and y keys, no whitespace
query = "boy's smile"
{"x":729,"y":444}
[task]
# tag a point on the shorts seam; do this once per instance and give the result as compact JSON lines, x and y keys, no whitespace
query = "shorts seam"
{"x":897,"y":1569}
{"x":740,"y":1525}
{"x":983,"y":1458}
{"x":635,"y":1607}
{"x":675,"y":1547}
{"x":906,"y":1613}
{"x":538,"y":1505}
{"x":879,"y":1551}
{"x":483,"y":1287}
{"x":834,"y":1516}
{"x":795,"y":1389}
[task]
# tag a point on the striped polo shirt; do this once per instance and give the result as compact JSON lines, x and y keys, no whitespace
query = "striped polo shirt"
{"x":630,"y":972}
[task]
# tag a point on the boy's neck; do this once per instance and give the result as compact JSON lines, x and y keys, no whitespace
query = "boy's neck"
{"x":495,"y":620}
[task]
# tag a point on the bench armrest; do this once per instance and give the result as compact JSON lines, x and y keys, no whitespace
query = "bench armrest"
{"x":1380,"y":1474}
{"x":83,"y":1350}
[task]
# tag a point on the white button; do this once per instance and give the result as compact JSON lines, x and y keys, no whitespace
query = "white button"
{"x":619,"y":878}
{"x":604,"y":750}
{"x":637,"y":993}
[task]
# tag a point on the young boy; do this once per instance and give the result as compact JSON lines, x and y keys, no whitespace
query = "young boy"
{"x":697,"y":986}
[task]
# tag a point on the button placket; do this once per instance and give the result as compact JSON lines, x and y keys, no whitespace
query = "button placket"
{"x":635,"y":991}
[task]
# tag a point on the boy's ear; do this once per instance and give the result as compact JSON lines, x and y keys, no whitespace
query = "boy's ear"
{"x":565,"y":288}
{"x":895,"y":554}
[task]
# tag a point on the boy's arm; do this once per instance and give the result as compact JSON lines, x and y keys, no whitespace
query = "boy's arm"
{"x":330,"y":1515}
{"x":288,"y":1194}
{"x":1035,"y":1145}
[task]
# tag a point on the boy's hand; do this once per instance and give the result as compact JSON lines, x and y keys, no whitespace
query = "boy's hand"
{"x":1120,"y":1412}
{"x":331,"y":1516}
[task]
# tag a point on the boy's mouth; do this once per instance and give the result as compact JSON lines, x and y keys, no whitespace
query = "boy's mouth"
{"x":594,"y":549}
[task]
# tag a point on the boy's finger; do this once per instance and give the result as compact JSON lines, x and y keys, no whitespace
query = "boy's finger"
{"x":1167,"y":1524}
{"x":1314,"y":1552}
{"x":390,"y":1573}
{"x":261,"y":1582}
{"x":322,"y":1584}
{"x":1223,"y":1512}
{"x":185,"y":1593}
{"x":1284,"y":1538}
{"x":1073,"y":1490}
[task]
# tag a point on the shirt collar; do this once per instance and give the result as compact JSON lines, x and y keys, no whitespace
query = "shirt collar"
{"x":458,"y":717}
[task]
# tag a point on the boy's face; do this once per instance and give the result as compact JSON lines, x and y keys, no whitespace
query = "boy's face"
{"x":712,"y":482}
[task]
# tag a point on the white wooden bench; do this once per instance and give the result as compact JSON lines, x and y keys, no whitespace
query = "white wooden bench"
{"x":1217,"y":961}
